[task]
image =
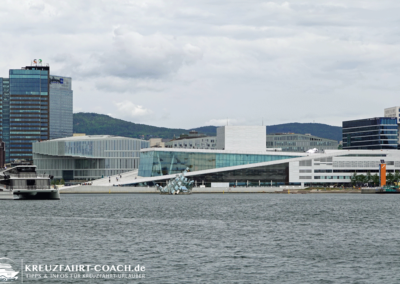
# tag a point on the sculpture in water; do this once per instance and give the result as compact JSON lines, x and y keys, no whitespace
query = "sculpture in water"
{"x":178,"y":185}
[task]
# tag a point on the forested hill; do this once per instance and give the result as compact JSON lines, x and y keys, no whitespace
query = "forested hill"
{"x":100,"y":124}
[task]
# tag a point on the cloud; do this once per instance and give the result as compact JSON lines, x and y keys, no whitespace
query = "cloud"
{"x":131,"y":110}
{"x":195,"y":62}
{"x":221,"y":122}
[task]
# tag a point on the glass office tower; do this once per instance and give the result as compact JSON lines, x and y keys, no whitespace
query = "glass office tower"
{"x":25,"y":110}
{"x":61,"y":114}
{"x":371,"y":133}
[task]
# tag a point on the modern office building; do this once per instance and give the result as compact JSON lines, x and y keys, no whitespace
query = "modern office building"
{"x":371,"y":133}
{"x":35,"y":106}
{"x":292,"y":142}
{"x":193,"y":140}
{"x":207,"y":142}
{"x":394,"y":112}
{"x":87,"y":157}
{"x":61,"y":101}
{"x":25,"y":110}
{"x":2,"y":154}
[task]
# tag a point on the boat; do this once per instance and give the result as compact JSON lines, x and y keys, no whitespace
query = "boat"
{"x":388,"y":190}
{"x":22,"y":182}
{"x":7,"y":273}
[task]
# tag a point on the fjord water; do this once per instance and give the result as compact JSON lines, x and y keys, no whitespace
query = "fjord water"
{"x":212,"y":238}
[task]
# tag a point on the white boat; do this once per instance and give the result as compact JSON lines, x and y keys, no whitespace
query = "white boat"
{"x":22,"y":182}
{"x":7,"y":273}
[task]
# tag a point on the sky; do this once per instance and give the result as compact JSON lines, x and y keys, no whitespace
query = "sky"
{"x":186,"y":64}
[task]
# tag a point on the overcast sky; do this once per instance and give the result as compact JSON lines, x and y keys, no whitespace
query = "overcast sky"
{"x":195,"y":63}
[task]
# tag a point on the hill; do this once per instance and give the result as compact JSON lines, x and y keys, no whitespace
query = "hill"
{"x":101,"y":124}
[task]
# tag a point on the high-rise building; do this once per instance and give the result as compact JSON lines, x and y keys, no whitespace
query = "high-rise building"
{"x":35,"y":107}
{"x":25,"y":110}
{"x":61,"y":114}
{"x":372,"y":133}
{"x":2,"y":154}
{"x":394,"y":112}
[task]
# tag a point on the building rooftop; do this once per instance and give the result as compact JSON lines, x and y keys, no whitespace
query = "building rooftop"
{"x":91,"y":137}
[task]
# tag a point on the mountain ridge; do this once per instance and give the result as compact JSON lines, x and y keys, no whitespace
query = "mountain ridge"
{"x":101,"y":124}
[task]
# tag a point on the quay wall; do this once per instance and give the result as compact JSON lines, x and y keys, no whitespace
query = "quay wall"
{"x":87,"y":189}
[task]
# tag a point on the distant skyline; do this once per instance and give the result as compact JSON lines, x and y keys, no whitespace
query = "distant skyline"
{"x":185,"y":64}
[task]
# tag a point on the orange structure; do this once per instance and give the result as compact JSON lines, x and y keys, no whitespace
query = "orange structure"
{"x":382,"y":174}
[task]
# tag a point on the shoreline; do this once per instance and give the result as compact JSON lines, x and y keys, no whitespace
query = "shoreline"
{"x":87,"y":189}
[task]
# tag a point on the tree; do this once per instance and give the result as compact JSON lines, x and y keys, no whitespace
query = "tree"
{"x":369,"y":177}
{"x":396,"y":177}
{"x":375,"y":179}
{"x":390,"y":178}
{"x":353,"y":179}
{"x":362,"y":179}
{"x":62,"y":181}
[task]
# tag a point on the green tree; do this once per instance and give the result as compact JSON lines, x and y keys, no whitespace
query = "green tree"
{"x":62,"y":181}
{"x":369,"y":177}
{"x":390,"y":178}
{"x":396,"y":177}
{"x":375,"y":179}
{"x":362,"y":179}
{"x":353,"y":179}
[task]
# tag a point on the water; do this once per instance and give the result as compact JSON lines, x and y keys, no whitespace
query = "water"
{"x":212,"y":238}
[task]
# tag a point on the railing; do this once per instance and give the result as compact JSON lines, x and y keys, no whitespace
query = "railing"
{"x":29,"y":175}
{"x":24,"y":175}
{"x":29,"y":187}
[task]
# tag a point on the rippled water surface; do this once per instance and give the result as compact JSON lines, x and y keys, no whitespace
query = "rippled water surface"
{"x":212,"y":238}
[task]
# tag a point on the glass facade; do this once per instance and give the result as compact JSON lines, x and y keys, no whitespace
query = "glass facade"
{"x":61,"y":113}
{"x":87,"y":157}
{"x":299,"y":142}
{"x":159,"y":163}
{"x":373,"y":133}
{"x":5,"y":116}
{"x":257,"y":176}
{"x":25,"y":110}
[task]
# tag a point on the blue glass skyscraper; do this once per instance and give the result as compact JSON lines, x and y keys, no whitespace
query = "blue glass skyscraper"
{"x":25,"y":110}
{"x":61,"y":116}
{"x":372,"y":133}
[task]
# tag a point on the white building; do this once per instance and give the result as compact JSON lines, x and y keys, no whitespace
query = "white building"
{"x":239,"y":168}
{"x":241,"y":138}
{"x":87,"y":157}
{"x":193,"y":140}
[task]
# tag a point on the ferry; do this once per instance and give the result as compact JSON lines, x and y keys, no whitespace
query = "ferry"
{"x":22,"y":182}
